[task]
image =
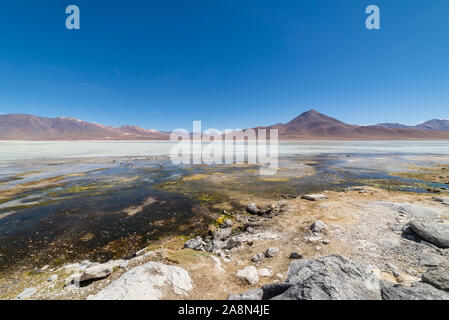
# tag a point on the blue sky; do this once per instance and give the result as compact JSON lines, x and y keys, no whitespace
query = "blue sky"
{"x":231,"y":64}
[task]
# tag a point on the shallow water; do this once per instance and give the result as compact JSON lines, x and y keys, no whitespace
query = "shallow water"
{"x":65,"y":201}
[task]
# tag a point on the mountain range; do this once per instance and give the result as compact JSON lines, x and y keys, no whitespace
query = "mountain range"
{"x":310,"y":125}
{"x":435,"y":124}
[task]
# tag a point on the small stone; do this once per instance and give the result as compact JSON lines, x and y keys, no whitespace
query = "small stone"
{"x":141,"y":252}
{"x":45,"y":268}
{"x":226,"y":224}
{"x":221,"y":234}
{"x":314,"y":197}
{"x":194,"y":244}
{"x":233,"y":243}
{"x":272,"y":252}
{"x":249,"y":274}
{"x":295,"y":255}
{"x":314,"y":239}
{"x":252,"y":208}
{"x":257,"y":257}
{"x":52,"y":278}
{"x":95,"y":272}
{"x":326,"y":241}
{"x":264,"y":272}
{"x":27,"y":293}
{"x":318,"y":226}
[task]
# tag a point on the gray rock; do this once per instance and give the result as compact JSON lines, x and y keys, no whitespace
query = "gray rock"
{"x":96,"y":272}
{"x":264,"y":272}
{"x":27,"y":293}
{"x":437,"y":277}
{"x":194,"y":244}
{"x":254,"y":294}
{"x":435,"y":233}
{"x":429,"y":259}
{"x":275,"y":289}
{"x":221,"y":234}
{"x":318,"y":226}
{"x":233,"y":243}
{"x":257,"y":257}
{"x":255,"y":209}
{"x":314,"y":197}
{"x":414,"y":209}
{"x":249,"y":274}
{"x":214,"y":245}
{"x":442,"y":200}
{"x":272,"y":252}
{"x":330,"y":278}
{"x":150,"y":281}
{"x":252,"y":208}
{"x":417,"y":292}
{"x":295,"y":255}
{"x":52,"y":278}
{"x":226,"y":224}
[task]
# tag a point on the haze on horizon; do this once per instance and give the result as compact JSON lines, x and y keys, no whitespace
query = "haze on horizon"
{"x":229,"y":64}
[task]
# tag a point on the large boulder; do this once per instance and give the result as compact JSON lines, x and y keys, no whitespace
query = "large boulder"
{"x":330,"y":278}
{"x":150,"y":281}
{"x":433,"y":232}
{"x":419,"y":291}
{"x":437,"y":277}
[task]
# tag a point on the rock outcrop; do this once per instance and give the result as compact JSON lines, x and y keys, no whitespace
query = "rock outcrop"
{"x":437,"y":277}
{"x":330,"y":278}
{"x":150,"y":281}
{"x":419,"y":291}
{"x":433,"y":232}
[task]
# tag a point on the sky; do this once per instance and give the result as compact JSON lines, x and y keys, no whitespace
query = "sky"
{"x":228,"y":63}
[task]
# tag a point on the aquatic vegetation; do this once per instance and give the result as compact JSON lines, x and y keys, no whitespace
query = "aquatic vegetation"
{"x":275,"y":179}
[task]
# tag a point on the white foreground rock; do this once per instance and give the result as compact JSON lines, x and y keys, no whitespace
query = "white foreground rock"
{"x":249,"y":274}
{"x":150,"y":281}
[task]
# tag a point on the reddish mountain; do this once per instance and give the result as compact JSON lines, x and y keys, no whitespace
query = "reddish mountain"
{"x":435,"y":124}
{"x":312,"y":125}
{"x":28,"y":127}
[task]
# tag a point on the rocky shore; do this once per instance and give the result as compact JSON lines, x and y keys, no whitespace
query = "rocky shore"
{"x":363,"y":243}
